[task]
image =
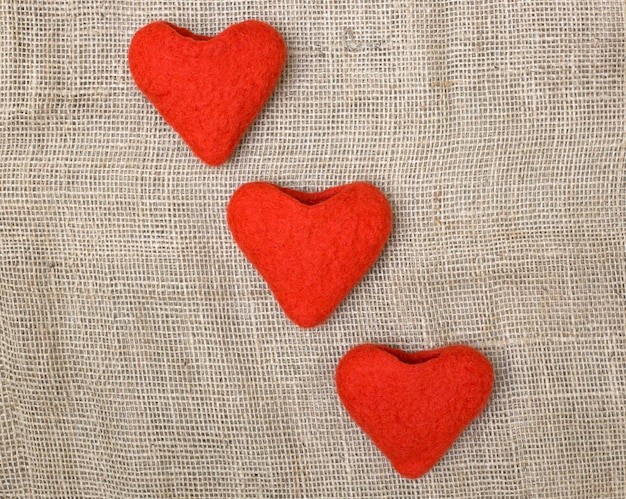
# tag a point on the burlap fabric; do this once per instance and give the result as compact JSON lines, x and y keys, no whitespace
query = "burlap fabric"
{"x":142,"y":356}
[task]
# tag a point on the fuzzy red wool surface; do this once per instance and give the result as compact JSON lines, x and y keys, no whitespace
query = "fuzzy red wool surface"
{"x":413,"y":405}
{"x":209,"y":89}
{"x":311,"y":248}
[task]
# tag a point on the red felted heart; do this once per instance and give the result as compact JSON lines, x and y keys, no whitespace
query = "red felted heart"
{"x":209,"y":89}
{"x":311,"y":248}
{"x":413,"y":406}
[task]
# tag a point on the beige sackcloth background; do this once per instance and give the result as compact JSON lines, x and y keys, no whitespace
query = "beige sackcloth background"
{"x":142,"y":356}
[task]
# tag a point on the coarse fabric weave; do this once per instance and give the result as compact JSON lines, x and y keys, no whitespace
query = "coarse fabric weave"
{"x":141,"y":355}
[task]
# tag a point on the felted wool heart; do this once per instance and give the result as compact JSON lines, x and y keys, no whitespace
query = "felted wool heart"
{"x":209,"y":89}
{"x":413,"y":405}
{"x":311,"y":248}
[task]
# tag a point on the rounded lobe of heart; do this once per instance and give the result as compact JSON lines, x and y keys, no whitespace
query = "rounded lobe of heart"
{"x":413,"y":406}
{"x":209,"y":89}
{"x":311,"y":248}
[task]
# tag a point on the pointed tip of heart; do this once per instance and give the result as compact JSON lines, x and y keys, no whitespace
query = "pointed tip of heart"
{"x":209,"y":89}
{"x":413,"y":405}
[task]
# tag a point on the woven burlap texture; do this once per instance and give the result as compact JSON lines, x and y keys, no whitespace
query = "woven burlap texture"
{"x":142,"y":356}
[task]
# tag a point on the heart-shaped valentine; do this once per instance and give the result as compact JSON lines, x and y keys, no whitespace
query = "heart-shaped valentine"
{"x":311,"y":248}
{"x":209,"y":89}
{"x":413,"y":405}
